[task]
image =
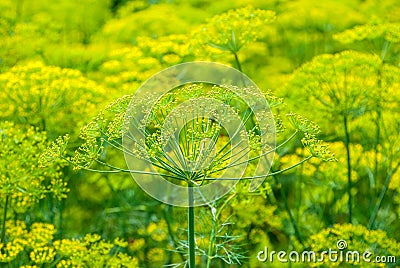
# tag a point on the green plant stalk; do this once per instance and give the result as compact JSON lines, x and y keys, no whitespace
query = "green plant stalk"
{"x":3,"y":228}
{"x":239,"y":66}
{"x":213,"y":228}
{"x":378,"y":117}
{"x":293,"y":221}
{"x":349,"y":181}
{"x":212,"y":242}
{"x":385,"y":50}
{"x":295,"y":226}
{"x":191,"y":239}
{"x":170,"y":232}
{"x":381,"y":196}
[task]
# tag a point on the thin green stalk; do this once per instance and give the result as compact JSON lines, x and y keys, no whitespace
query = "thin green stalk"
{"x":212,"y":241}
{"x":244,"y":121}
{"x":349,"y":181}
{"x":378,"y":116}
{"x":293,"y":221}
{"x":237,"y":61}
{"x":264,"y":175}
{"x":191,"y":238}
{"x":381,"y":196}
{"x":213,"y":228}
{"x":385,"y":50}
{"x":234,"y":163}
{"x":170,"y":231}
{"x":3,"y":228}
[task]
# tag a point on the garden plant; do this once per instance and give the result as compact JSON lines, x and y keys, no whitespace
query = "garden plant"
{"x":175,"y":133}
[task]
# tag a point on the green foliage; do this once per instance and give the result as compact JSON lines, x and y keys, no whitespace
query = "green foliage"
{"x":389,"y":31}
{"x":31,"y":27}
{"x":128,"y":25}
{"x":342,"y":84}
{"x":47,"y":97}
{"x":232,"y":30}
{"x":21,"y":179}
{"x":62,"y":62}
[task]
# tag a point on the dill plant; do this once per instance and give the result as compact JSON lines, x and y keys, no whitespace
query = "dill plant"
{"x":48,"y":97}
{"x":198,"y":155}
{"x":199,"y":152}
{"x":231,"y":31}
{"x":382,"y":39}
{"x":22,"y":183}
{"x":357,"y":91}
{"x":36,"y":246}
{"x":129,"y":66}
{"x":345,"y":87}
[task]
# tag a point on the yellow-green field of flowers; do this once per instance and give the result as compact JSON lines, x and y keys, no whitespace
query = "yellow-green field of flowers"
{"x":330,"y":71}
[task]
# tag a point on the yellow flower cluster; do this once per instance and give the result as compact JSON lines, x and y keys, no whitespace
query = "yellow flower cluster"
{"x":68,"y":247}
{"x":128,"y":66}
{"x":37,"y":242}
{"x":346,"y":83}
{"x":303,"y":124}
{"x":143,"y":18}
{"x":232,"y":30}
{"x":388,"y":31}
{"x":317,"y":17}
{"x":318,"y":148}
{"x":42,"y":255}
{"x":157,"y":231}
{"x":24,"y":182}
{"x":51,"y":98}
{"x":10,"y":251}
{"x":358,"y":238}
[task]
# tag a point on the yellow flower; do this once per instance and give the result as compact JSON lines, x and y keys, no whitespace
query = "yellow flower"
{"x":120,"y":242}
{"x":42,"y":255}
{"x":232,"y":30}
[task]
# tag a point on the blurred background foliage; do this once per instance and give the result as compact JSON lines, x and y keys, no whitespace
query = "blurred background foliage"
{"x":62,"y":62}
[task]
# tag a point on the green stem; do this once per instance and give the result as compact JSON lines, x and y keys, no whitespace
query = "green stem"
{"x":191,"y":238}
{"x":237,"y":61}
{"x":213,"y":228}
{"x":378,"y":120}
{"x":349,"y":181}
{"x":296,"y":229}
{"x":264,"y":175}
{"x":212,"y":242}
{"x":166,"y":214}
{"x":382,"y":195}
{"x":295,"y":226}
{"x":385,"y":50}
{"x":3,"y":228}
{"x":377,"y":141}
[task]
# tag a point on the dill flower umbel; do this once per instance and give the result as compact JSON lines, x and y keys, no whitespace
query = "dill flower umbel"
{"x":357,"y":238}
{"x":388,"y":31}
{"x":37,"y":243}
{"x":20,"y":151}
{"x":48,"y":97}
{"x":232,"y":30}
